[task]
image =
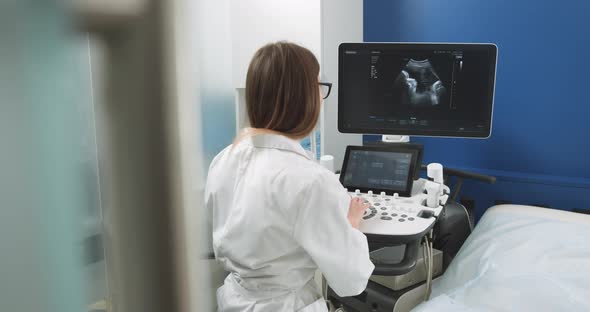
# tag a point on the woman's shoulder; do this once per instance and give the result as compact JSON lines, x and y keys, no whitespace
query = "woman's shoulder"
{"x":233,"y":148}
{"x":220,"y":155}
{"x":226,"y":157}
{"x":306,"y":173}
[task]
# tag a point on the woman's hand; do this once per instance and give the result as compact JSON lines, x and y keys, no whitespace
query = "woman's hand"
{"x":356,"y":210}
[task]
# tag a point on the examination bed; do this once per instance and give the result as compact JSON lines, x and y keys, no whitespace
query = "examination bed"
{"x":519,"y":258}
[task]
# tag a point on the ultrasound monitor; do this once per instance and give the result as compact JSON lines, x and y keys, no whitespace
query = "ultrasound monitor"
{"x":419,"y":89}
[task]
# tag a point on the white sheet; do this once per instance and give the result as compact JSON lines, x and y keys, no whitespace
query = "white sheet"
{"x":519,"y":258}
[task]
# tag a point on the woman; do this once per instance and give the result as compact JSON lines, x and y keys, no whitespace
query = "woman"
{"x":278,"y":215}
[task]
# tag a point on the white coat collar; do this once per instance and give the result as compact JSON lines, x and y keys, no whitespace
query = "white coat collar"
{"x":269,"y":140}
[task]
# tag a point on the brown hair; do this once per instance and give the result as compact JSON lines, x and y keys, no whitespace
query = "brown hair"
{"x":282,"y":91}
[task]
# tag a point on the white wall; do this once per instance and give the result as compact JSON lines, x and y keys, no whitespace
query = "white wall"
{"x":257,"y":22}
{"x":342,"y":21}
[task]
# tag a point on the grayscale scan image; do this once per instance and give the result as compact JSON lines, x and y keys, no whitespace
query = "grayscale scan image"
{"x":420,"y":84}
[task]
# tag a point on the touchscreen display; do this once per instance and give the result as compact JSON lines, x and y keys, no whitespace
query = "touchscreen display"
{"x":377,"y":170}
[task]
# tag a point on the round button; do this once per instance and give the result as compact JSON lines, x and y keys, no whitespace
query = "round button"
{"x":383,"y":208}
{"x":384,"y":213}
{"x":387,"y":199}
{"x":401,"y":220}
{"x":385,"y":218}
{"x":403,"y":216}
{"x":394,"y":214}
{"x":411,"y":219}
{"x":377,"y":204}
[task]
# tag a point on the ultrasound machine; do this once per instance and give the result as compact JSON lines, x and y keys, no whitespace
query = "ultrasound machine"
{"x":414,"y":226}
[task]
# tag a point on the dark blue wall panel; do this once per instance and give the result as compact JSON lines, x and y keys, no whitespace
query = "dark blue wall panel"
{"x":542,"y":105}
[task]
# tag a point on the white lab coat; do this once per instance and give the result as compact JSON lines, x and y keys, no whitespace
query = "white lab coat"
{"x":277,"y":217}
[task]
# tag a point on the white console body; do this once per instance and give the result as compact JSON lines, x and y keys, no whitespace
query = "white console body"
{"x":395,"y":215}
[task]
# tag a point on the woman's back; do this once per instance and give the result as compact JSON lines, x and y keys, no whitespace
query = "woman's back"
{"x":254,"y":216}
{"x":273,"y":225}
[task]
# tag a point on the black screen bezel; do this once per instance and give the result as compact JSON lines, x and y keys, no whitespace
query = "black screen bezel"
{"x":405,"y":192}
{"x":490,"y":48}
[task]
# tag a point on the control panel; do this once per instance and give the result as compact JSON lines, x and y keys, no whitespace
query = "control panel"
{"x":397,"y":215}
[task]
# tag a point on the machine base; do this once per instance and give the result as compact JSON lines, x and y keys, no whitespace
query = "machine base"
{"x":390,"y":293}
{"x":377,"y":298}
{"x":413,"y":277}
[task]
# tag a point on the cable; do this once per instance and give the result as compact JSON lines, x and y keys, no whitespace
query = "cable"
{"x":469,"y":218}
{"x":431,"y":272}
{"x":427,"y":268}
{"x":431,"y":266}
{"x":428,"y":258}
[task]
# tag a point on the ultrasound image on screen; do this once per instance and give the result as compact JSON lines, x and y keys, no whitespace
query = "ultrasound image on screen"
{"x":377,"y":170}
{"x":419,"y":85}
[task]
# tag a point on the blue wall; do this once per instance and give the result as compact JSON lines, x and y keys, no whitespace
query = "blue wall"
{"x":539,"y":145}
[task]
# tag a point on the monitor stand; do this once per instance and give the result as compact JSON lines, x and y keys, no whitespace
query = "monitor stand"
{"x":395,"y":139}
{"x":405,"y":140}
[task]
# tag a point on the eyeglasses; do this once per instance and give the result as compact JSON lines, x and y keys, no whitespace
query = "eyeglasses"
{"x":325,"y":88}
